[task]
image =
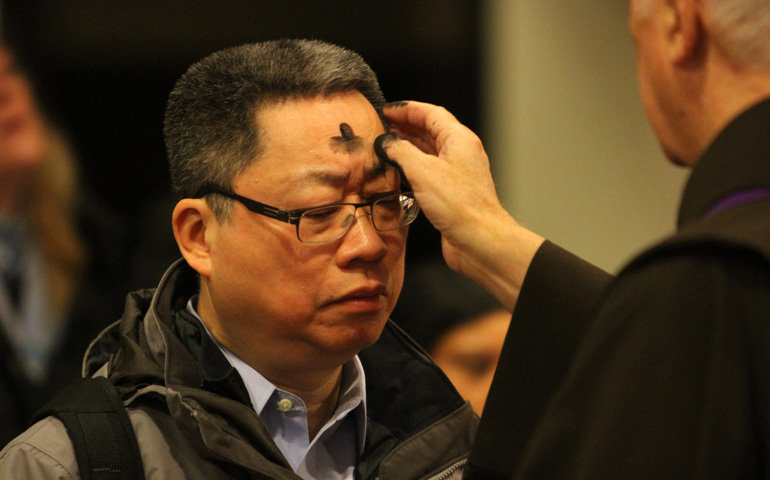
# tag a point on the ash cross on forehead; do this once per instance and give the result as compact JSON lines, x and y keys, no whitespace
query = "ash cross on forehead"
{"x":347,"y":139}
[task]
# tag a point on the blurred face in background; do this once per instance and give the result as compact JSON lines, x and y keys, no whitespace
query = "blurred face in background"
{"x":21,"y":130}
{"x":469,"y":352}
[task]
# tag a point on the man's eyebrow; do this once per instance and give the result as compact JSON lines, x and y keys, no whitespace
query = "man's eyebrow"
{"x":379,"y":170}
{"x":322,"y":176}
{"x":325,"y":176}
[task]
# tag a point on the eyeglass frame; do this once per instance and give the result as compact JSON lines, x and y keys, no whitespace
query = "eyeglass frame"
{"x":293,"y":216}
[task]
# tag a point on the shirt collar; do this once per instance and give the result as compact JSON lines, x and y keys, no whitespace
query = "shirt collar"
{"x":352,"y":396}
{"x":738,"y":160}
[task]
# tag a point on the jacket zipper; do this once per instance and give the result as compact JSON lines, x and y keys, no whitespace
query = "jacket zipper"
{"x":446,"y":473}
{"x":451,"y":470}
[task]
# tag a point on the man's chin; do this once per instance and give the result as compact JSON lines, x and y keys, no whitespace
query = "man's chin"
{"x":350,"y":341}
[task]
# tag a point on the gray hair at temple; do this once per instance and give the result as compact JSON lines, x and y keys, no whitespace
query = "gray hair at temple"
{"x":210,"y":128}
{"x":740,"y":28}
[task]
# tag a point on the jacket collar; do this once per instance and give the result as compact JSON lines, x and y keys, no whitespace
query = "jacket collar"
{"x":737,"y":161}
{"x":398,"y":406}
{"x":216,"y":373}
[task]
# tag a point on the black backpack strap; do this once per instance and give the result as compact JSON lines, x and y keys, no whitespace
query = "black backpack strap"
{"x":100,"y":430}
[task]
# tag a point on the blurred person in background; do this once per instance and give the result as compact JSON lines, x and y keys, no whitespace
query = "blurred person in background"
{"x":459,"y":323}
{"x":47,"y":236}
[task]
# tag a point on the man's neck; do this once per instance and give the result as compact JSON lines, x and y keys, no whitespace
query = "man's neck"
{"x":731,"y":91}
{"x":317,"y":384}
{"x":320,"y":400}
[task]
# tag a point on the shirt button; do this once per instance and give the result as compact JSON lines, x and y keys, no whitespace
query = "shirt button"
{"x":284,"y":405}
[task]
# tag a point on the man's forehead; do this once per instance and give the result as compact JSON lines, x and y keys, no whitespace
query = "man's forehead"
{"x":343,"y":122}
{"x":321,"y":142}
{"x":338,"y":175}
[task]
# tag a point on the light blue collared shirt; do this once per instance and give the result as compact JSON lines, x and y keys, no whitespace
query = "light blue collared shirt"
{"x":333,"y":453}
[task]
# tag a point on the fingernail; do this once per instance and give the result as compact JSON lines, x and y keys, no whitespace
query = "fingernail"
{"x":400,"y":103}
{"x":380,"y":144}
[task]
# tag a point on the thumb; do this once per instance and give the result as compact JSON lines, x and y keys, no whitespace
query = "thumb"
{"x":403,"y":155}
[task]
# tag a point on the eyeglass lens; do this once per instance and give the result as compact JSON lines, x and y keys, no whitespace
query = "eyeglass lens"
{"x":330,"y":223}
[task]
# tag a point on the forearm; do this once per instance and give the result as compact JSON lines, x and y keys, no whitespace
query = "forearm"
{"x":551,"y":318}
{"x":499,"y":257}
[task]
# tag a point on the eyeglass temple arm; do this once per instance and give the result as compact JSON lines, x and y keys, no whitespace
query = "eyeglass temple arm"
{"x":253,"y":205}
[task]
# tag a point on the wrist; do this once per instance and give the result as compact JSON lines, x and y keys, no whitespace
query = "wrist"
{"x":499,"y":257}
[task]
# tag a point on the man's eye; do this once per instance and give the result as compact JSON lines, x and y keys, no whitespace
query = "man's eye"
{"x":321,"y":213}
{"x":390,"y":202}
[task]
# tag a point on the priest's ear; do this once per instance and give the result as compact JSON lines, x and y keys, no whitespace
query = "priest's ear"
{"x":684,"y":30}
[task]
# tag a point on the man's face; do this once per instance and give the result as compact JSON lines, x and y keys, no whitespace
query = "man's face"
{"x":297,"y":303}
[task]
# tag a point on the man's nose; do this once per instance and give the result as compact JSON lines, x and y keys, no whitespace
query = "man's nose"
{"x":362,"y":240}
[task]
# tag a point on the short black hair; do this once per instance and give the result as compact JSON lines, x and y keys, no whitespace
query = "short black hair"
{"x":210,"y":128}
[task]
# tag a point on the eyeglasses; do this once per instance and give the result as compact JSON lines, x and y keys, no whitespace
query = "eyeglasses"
{"x":330,"y":222}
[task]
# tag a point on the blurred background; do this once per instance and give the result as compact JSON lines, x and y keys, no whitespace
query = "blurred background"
{"x":549,"y":86}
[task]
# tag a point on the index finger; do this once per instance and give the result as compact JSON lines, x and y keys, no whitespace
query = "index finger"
{"x":419,"y":119}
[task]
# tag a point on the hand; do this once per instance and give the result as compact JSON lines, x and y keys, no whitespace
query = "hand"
{"x":448,"y":169}
{"x":451,"y":177}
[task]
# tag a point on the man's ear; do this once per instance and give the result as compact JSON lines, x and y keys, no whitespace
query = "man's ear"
{"x":190,"y":221}
{"x":684,"y":30}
